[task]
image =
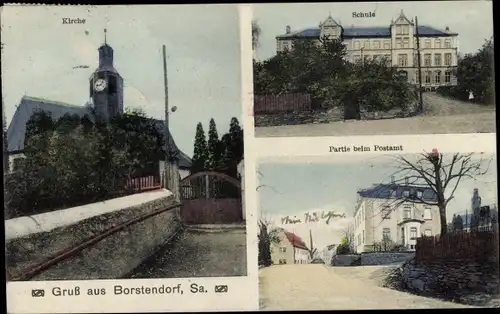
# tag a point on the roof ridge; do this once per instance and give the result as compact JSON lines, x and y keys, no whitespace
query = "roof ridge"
{"x":55,"y":102}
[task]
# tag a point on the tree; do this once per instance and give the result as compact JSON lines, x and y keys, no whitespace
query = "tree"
{"x":442,"y":174}
{"x":200,"y":150}
{"x":213,"y":147}
{"x":346,"y":245}
{"x":232,"y":145}
{"x":267,"y":235}
{"x":256,"y":32}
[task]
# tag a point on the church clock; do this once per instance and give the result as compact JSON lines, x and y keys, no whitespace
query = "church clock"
{"x":100,"y":85}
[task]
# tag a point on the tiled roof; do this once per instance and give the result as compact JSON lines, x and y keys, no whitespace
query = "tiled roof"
{"x":29,"y":105}
{"x":364,"y":32}
{"x":385,"y":191}
{"x":295,"y":240}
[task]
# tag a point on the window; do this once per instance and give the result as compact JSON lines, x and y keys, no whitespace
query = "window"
{"x":427,"y":213}
{"x":447,"y":76}
{"x":437,"y":43}
{"x":406,"y":43}
{"x":413,"y":232}
{"x":447,"y":59}
{"x":406,"y":29}
{"x":427,"y":43}
{"x":399,"y":29}
{"x":419,"y":194}
{"x":407,"y":212}
{"x":392,"y":193}
{"x":356,"y":44}
{"x":437,"y":77}
{"x":387,"y":44}
{"x":286,"y":45}
{"x":427,"y":77}
{"x":363,"y":239}
{"x":428,"y":232}
{"x":356,"y":59}
{"x":17,"y":163}
{"x":282,"y":261}
{"x":386,"y":233}
{"x":366,"y":44}
{"x":272,"y":249}
{"x":386,"y":212}
{"x":447,"y":43}
{"x":406,"y":193}
{"x":403,"y":60}
{"x":427,"y":59}
{"x":412,"y":247}
{"x":376,"y":44}
{"x":399,"y":43}
{"x":283,"y":249}
{"x":437,"y":59}
{"x":366,"y":58}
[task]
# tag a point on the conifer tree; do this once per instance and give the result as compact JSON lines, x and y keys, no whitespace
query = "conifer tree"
{"x":200,"y":149}
{"x":213,"y":146}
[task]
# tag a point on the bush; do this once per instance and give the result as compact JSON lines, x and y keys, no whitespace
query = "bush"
{"x":453,"y":92}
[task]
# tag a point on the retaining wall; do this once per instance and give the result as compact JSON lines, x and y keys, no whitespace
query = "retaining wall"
{"x":385,"y":258}
{"x":32,"y":240}
{"x":344,"y":260}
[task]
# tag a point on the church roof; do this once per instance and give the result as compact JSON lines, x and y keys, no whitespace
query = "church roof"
{"x":29,"y":105}
{"x":357,"y":32}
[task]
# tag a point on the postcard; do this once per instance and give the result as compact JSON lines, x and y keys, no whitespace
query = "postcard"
{"x":124,"y":160}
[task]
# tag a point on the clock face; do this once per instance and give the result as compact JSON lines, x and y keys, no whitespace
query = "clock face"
{"x":100,"y":85}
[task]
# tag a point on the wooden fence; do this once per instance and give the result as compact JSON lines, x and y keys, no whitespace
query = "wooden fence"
{"x":265,"y":104}
{"x":144,"y":184}
{"x":477,"y":244}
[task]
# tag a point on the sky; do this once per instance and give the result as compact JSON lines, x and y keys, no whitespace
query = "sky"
{"x":203,"y":59}
{"x":294,"y":187}
{"x":472,"y":20}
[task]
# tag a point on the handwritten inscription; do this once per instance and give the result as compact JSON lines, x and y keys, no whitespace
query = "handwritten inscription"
{"x":67,"y":20}
{"x":362,"y":148}
{"x":318,"y":216}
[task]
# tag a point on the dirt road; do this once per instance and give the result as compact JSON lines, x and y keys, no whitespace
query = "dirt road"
{"x":442,"y":116}
{"x":319,"y":287}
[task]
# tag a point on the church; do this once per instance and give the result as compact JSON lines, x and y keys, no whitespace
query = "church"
{"x":106,"y":102}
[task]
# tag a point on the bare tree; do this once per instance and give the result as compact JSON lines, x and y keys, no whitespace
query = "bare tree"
{"x":256,"y":31}
{"x":441,"y":174}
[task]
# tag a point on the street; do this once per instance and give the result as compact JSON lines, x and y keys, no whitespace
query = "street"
{"x":199,"y":253}
{"x":441,"y":116}
{"x":320,"y":287}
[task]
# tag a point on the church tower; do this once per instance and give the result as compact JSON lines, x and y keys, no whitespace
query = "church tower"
{"x":106,"y":86}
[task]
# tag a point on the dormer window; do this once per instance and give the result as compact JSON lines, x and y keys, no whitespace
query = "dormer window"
{"x":406,"y":193}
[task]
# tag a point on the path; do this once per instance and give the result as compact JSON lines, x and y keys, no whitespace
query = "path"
{"x":442,"y":116}
{"x":204,"y":252}
{"x":319,"y":287}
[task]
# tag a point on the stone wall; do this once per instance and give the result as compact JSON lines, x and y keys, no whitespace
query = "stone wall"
{"x":345,"y":260}
{"x":114,"y":256}
{"x":460,"y":281}
{"x":384,"y":258}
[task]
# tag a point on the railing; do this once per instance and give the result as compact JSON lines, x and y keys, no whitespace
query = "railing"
{"x":143,"y":184}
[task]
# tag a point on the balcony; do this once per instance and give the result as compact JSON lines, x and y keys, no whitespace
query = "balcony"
{"x":405,"y":220}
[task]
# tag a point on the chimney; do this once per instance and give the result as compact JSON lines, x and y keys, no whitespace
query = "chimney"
{"x":393,"y":179}
{"x":288,"y":29}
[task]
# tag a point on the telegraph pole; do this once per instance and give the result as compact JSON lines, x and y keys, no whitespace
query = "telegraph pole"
{"x":167,"y":161}
{"x":419,"y":65}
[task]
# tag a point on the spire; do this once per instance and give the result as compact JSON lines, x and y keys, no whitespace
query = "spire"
{"x":105,"y":41}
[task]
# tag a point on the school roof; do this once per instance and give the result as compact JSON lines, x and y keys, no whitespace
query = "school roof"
{"x":29,"y":105}
{"x":365,"y":32}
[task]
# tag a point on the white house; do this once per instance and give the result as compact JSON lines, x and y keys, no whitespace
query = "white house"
{"x":290,"y":250}
{"x":389,"y":211}
{"x":327,"y":253}
{"x":395,"y":42}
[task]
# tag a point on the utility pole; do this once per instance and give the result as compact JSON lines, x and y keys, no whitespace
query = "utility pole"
{"x":167,"y":159}
{"x":419,"y":65}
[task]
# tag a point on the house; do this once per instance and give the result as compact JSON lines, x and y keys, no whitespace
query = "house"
{"x":395,"y":42}
{"x":290,"y":250}
{"x":394,"y":213}
{"x":328,"y":252}
{"x":106,"y":101}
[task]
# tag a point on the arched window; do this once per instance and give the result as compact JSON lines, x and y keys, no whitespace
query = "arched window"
{"x":447,"y":76}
